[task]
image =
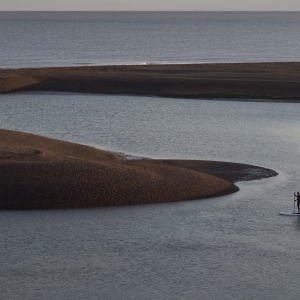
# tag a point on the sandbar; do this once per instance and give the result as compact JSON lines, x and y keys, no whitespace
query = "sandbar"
{"x":276,"y":81}
{"x":43,"y":173}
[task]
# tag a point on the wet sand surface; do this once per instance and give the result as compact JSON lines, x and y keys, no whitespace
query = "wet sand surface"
{"x":42,"y":173}
{"x":266,"y":81}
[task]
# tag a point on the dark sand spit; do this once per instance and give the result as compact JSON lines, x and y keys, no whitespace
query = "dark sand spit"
{"x":267,"y":81}
{"x":42,"y":173}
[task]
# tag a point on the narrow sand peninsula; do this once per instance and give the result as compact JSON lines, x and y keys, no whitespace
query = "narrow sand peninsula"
{"x":42,"y":173}
{"x":268,"y":81}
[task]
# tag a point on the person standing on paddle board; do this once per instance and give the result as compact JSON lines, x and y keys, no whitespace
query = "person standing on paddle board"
{"x":297,"y":199}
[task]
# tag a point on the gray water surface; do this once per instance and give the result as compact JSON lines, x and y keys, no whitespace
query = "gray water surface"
{"x":43,"y":39}
{"x":231,"y":247}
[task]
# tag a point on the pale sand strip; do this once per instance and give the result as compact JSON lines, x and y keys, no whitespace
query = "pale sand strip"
{"x":41,"y":173}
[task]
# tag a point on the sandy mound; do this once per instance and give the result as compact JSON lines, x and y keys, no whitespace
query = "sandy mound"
{"x":39,"y":173}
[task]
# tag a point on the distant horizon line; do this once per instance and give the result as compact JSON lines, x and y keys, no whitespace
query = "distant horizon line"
{"x":242,"y":11}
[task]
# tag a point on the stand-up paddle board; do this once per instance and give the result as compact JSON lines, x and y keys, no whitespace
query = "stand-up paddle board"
{"x":297,"y":214}
{"x":290,"y":214}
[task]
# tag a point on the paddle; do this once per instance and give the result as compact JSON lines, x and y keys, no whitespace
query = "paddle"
{"x":296,"y":198}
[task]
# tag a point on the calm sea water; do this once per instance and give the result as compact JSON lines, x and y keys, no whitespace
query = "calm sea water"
{"x":36,"y":39}
{"x":232,"y":247}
